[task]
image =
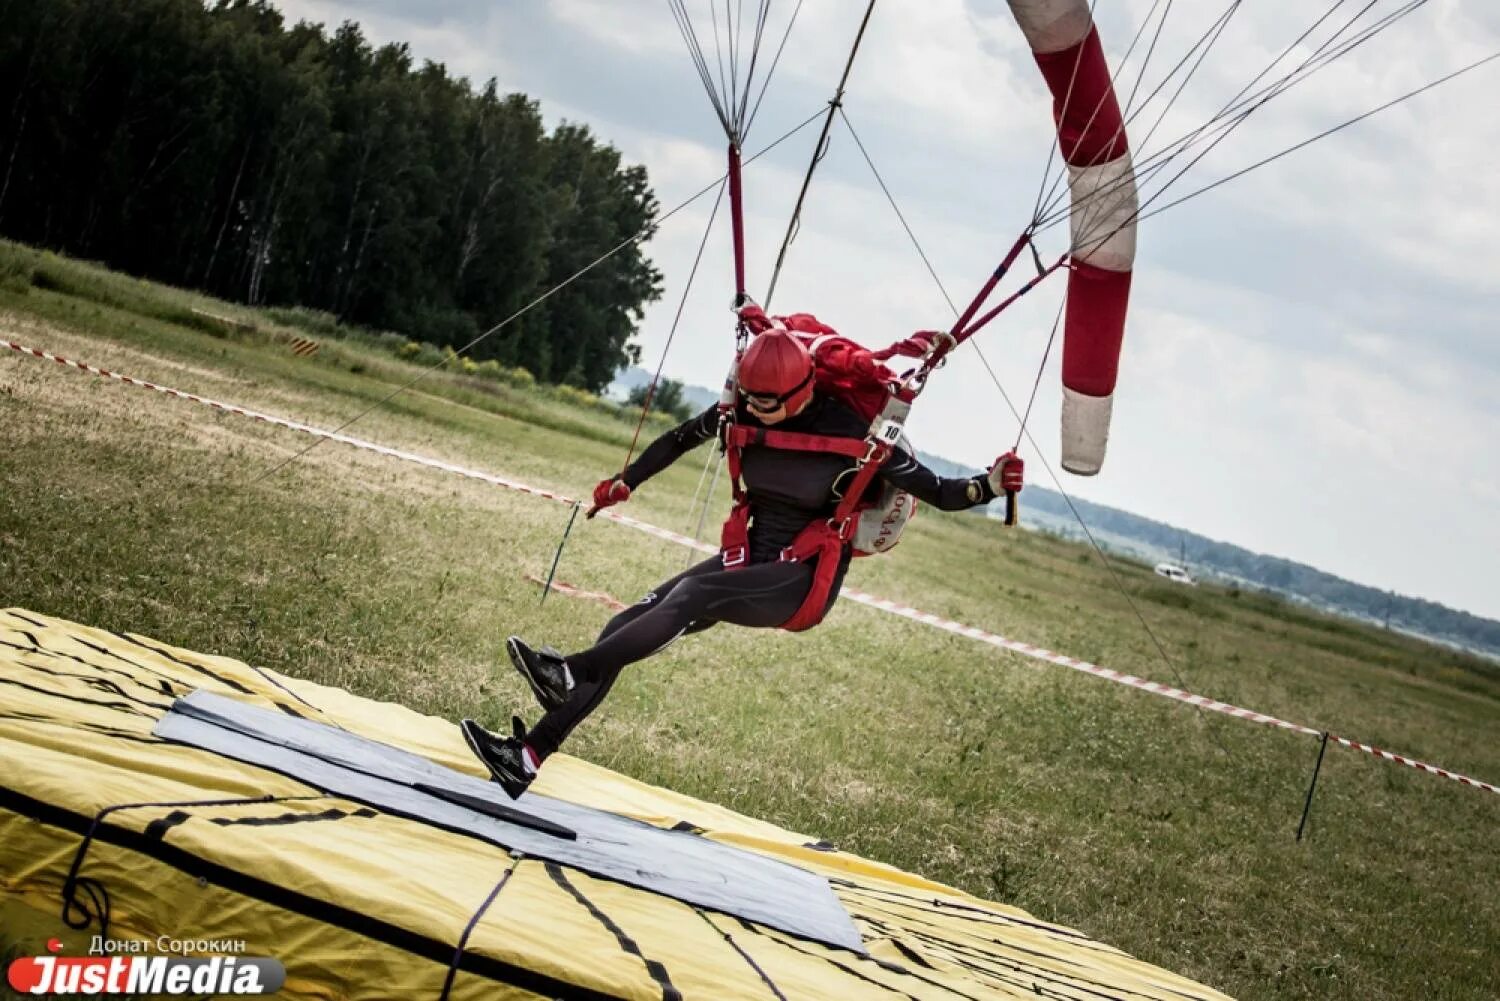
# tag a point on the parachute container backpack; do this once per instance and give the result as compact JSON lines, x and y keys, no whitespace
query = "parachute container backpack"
{"x":1091,"y":135}
{"x":881,"y":516}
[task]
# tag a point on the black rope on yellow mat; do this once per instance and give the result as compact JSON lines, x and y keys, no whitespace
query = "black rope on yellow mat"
{"x":743,"y":954}
{"x":655,"y":968}
{"x":463,"y":940}
{"x":95,"y":890}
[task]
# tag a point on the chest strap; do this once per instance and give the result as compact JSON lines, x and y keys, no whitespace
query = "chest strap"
{"x":796,"y":441}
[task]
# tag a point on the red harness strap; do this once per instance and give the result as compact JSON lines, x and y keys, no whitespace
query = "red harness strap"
{"x":826,"y":540}
{"x":821,"y":540}
{"x":795,"y":441}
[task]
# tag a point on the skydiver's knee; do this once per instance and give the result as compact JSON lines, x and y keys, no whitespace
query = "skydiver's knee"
{"x":686,"y":601}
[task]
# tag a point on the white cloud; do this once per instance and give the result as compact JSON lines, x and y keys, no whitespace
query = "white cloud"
{"x":639,"y":27}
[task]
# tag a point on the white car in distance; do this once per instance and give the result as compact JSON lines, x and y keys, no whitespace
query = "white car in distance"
{"x":1172,"y":571}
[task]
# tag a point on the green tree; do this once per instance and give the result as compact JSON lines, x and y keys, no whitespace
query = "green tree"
{"x":214,"y":146}
{"x":667,"y":399}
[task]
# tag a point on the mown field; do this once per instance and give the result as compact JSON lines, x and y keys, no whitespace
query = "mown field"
{"x":1163,"y":830}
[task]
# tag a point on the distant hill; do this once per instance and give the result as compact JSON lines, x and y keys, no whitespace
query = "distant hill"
{"x":1144,"y":538}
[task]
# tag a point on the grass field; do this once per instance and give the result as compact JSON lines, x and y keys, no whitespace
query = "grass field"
{"x":1149,"y":825}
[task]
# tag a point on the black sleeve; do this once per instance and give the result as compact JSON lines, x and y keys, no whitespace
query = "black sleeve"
{"x":671,"y":446}
{"x":903,"y":471}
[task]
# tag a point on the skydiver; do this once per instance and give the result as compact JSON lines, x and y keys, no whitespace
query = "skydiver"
{"x":787,"y":491}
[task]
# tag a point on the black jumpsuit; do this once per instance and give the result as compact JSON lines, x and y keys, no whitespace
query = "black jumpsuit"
{"x":788,"y":491}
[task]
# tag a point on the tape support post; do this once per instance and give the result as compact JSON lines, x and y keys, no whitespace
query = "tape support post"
{"x":852,"y":594}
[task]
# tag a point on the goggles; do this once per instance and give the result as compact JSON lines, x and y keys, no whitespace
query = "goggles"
{"x":767,"y":403}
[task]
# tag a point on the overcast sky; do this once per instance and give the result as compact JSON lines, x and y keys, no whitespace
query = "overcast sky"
{"x":1311,"y":364}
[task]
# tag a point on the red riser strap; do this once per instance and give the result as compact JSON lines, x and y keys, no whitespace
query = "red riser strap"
{"x":989,"y":286}
{"x":737,"y":218}
{"x":974,"y":327}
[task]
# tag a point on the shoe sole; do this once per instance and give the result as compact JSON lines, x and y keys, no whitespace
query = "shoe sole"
{"x":546,"y":701}
{"x":467,"y":728}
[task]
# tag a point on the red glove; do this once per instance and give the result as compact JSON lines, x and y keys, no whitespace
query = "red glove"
{"x":915,"y":346}
{"x":1007,"y":475}
{"x":863,"y":364}
{"x":610,"y":491}
{"x":754,"y":318}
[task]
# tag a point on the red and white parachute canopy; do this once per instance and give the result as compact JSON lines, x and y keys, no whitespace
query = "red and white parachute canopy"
{"x":1091,"y":135}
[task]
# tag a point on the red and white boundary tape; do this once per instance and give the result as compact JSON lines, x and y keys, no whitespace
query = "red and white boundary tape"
{"x":883,"y":604}
{"x":608,"y":600}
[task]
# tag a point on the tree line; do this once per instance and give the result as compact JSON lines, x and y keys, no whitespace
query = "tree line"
{"x":214,"y":146}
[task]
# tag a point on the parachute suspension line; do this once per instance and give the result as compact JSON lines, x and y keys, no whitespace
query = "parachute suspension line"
{"x":1093,"y":202}
{"x":755,"y":110}
{"x":717,"y":458}
{"x":731,"y":99}
{"x":1025,"y":432}
{"x":1153,"y":164}
{"x":708,"y":459}
{"x":737,"y":60}
{"x":700,"y":63}
{"x":1010,"y":258}
{"x":820,"y":150}
{"x":1320,"y":59}
{"x":725,"y":80}
{"x":1328,"y":132}
{"x":742,"y":111}
{"x":899,"y":214}
{"x":1146,"y":61}
{"x":672,"y":332}
{"x":1239,"y":107}
{"x":732,"y":39}
{"x":643,"y":233}
{"x":961,"y":328}
{"x":1141,"y":214}
{"x":1037,"y":384}
{"x":1052,"y":148}
{"x":1202,"y":47}
{"x":1235,"y":108}
{"x":1047,"y":196}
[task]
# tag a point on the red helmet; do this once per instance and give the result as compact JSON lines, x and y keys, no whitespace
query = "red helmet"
{"x":777,"y":366}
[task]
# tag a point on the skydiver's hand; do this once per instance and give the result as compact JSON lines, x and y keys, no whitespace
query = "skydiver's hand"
{"x":915,"y":346}
{"x":918,"y":345}
{"x":608,"y":492}
{"x":1007,"y":475}
{"x":754,"y":318}
{"x":863,"y":364}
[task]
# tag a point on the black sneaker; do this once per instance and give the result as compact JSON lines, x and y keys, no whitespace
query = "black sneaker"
{"x":505,"y":757}
{"x":544,"y":670}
